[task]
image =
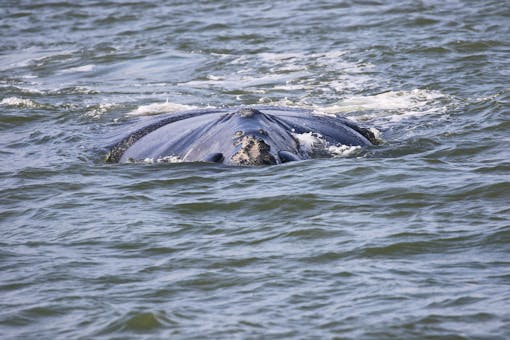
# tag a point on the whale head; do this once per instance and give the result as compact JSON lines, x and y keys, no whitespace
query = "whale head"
{"x":256,"y":139}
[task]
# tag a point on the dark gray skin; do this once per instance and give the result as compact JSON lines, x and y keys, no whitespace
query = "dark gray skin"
{"x":235,"y":136}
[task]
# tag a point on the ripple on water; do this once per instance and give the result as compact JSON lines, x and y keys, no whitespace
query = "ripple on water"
{"x":138,"y":323}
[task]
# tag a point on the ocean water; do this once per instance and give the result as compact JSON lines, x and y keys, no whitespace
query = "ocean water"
{"x":409,"y":239}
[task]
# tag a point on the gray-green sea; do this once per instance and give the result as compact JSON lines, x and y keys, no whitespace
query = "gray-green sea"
{"x":409,"y":239}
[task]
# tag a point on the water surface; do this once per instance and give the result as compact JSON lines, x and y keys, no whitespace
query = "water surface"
{"x":409,"y":239}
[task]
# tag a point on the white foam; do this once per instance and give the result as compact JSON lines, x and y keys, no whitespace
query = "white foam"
{"x":84,"y":68}
{"x":290,"y":87}
{"x":278,"y":57}
{"x":322,"y":77}
{"x":349,"y":74}
{"x":280,"y":102}
{"x":157,"y":108}
{"x":391,"y":105}
{"x":213,"y":77}
{"x":343,"y":150}
{"x":19,"y":102}
{"x":290,"y":72}
{"x":96,"y":111}
{"x":237,"y":81}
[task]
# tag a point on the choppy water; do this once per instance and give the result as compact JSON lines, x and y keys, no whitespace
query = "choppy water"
{"x":410,"y":239}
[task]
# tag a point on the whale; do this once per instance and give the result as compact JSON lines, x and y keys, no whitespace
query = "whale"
{"x":237,"y":136}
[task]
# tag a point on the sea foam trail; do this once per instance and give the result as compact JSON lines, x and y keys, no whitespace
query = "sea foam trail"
{"x":392,"y":106}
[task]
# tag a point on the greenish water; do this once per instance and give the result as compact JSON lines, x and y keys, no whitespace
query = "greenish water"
{"x":409,"y":239}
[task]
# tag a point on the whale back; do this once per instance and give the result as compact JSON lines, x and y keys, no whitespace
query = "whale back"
{"x":238,"y":136}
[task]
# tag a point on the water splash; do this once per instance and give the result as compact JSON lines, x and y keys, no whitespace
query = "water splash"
{"x":157,"y":108}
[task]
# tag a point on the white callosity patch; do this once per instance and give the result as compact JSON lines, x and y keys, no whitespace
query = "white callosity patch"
{"x":315,"y":144}
{"x":377,"y":134}
{"x":165,"y":159}
{"x":309,"y":141}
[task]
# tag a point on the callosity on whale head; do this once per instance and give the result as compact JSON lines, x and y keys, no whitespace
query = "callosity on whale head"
{"x":240,"y":136}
